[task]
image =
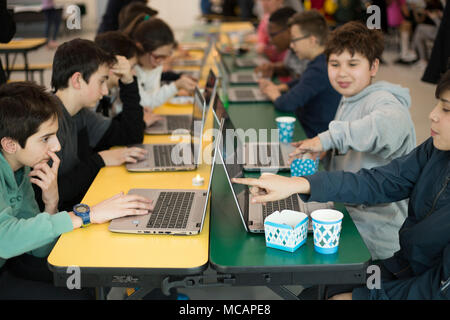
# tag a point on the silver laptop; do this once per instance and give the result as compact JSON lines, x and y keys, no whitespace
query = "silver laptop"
{"x":257,"y":156}
{"x":176,"y":156}
{"x":210,"y":88}
{"x":194,"y":62}
{"x":244,"y":62}
{"x":253,"y":214}
{"x":180,"y":212}
{"x":240,"y":77}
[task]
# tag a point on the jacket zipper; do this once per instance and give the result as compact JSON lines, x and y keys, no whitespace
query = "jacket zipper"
{"x":435,"y":200}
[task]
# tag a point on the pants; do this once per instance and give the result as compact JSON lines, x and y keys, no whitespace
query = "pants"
{"x":53,"y":17}
{"x":423,"y":33}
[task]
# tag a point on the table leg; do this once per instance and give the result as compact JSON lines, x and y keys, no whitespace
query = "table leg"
{"x":25,"y":58}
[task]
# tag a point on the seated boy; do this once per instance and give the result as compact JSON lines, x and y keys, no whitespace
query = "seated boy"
{"x":291,"y":67}
{"x":311,"y":97}
{"x":126,"y":52}
{"x":420,"y":269}
{"x":80,"y":73}
{"x":372,"y":127}
{"x":28,"y":126}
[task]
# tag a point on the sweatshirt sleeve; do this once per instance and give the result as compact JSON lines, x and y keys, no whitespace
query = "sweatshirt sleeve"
{"x":387,"y":131}
{"x":128,"y":126}
{"x":18,"y":236}
{"x":384,"y":184}
{"x":433,"y":284}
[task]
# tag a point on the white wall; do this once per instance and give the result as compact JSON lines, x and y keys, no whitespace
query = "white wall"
{"x":179,"y":14}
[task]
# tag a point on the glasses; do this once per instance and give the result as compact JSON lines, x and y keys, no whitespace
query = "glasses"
{"x":160,"y":57}
{"x":274,"y":34}
{"x":300,"y":38}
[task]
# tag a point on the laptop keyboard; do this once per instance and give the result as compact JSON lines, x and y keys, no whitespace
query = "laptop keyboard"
{"x":178,"y":122}
{"x":290,"y":203}
{"x":245,"y":78}
{"x":245,"y":94}
{"x":171,"y":210}
{"x":163,"y":158}
{"x":267,"y":155}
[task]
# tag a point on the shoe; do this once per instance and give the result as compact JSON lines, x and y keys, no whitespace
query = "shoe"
{"x":405,"y":62}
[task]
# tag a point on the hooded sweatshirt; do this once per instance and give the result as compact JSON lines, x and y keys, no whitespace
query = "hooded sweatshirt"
{"x":22,"y":228}
{"x":370,"y":129}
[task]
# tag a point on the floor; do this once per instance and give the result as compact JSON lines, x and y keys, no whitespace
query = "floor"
{"x":423,"y":101}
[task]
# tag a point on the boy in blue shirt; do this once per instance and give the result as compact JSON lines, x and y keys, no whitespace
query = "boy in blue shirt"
{"x":311,"y":97}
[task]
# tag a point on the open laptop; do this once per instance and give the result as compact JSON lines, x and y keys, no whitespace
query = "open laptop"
{"x":176,"y":156}
{"x":178,"y":212}
{"x":244,"y":62}
{"x":253,"y":214}
{"x":257,"y":156}
{"x":239,"y":77}
{"x":210,"y":88}
{"x":194,"y":62}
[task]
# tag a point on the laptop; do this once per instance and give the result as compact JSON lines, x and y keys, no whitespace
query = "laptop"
{"x":253,"y":214}
{"x":240,"y":77}
{"x":210,"y":88}
{"x":257,"y":156}
{"x":176,"y":156}
{"x":244,"y":62}
{"x":177,"y":212}
{"x":194,"y":62}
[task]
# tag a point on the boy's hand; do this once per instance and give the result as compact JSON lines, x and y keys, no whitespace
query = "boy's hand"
{"x":118,"y":206}
{"x":265,"y":70}
{"x":271,"y":187}
{"x":116,"y":157}
{"x":46,"y":178}
{"x":269,"y":89}
{"x":312,"y":145}
{"x":123,"y":70}
{"x":186,"y":82}
{"x":150,"y":117}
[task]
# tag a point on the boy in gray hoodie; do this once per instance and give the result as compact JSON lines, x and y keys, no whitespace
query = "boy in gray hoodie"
{"x":372,"y":126}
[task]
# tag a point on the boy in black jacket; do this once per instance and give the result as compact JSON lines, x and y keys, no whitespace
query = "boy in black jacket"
{"x":80,"y":73}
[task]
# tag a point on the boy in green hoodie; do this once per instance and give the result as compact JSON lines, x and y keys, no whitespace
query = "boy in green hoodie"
{"x":28,"y":126}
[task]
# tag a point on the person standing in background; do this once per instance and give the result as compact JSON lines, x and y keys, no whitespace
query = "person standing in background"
{"x":53,"y":17}
{"x":7,"y":31}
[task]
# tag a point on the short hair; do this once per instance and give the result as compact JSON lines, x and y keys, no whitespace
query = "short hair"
{"x":153,"y":33}
{"x":78,"y":55}
{"x":354,"y":36}
{"x":443,"y":84}
{"x":24,"y":106}
{"x":281,"y":16}
{"x":117,"y":43}
{"x":311,"y":22}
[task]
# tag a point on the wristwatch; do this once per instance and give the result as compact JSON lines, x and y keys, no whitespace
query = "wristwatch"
{"x":82,"y":210}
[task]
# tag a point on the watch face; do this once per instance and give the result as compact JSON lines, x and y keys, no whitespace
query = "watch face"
{"x":81,"y":209}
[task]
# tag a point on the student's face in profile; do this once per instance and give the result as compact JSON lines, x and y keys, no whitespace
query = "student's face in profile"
{"x":301,"y":43}
{"x":349,"y":74}
{"x":154,"y":59}
{"x":440,"y":122}
{"x":37,"y":146}
{"x":280,"y":36}
{"x":96,"y":88}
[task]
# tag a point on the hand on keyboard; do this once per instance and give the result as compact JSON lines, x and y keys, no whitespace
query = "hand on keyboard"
{"x":118,"y":156}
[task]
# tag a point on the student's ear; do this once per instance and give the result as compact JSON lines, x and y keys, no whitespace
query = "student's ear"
{"x":140,"y":46}
{"x":9,"y":145}
{"x":374,"y":67}
{"x":75,"y":80}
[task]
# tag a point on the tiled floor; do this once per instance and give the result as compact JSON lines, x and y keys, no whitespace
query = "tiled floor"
{"x":423,"y":101}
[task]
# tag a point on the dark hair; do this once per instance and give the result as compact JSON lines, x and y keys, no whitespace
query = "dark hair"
{"x":311,"y":22}
{"x":78,"y":55}
{"x":443,"y":84}
{"x":117,"y":43}
{"x":131,"y":11}
{"x":24,"y":106}
{"x":152,"y":34}
{"x":281,"y":16}
{"x":354,"y":36}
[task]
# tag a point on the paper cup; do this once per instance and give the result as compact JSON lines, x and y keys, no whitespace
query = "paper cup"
{"x":304,"y":167}
{"x":286,"y":127}
{"x":327,"y":230}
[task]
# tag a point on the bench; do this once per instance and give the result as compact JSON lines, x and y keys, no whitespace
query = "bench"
{"x":32,"y":68}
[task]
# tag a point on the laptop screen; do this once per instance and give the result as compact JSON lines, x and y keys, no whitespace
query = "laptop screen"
{"x":198,"y":120}
{"x":219,"y":109}
{"x":210,"y":88}
{"x":229,"y":146}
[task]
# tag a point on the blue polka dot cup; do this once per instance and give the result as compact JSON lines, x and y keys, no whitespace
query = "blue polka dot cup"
{"x":304,"y":167}
{"x":286,"y":127}
{"x":327,"y":230}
